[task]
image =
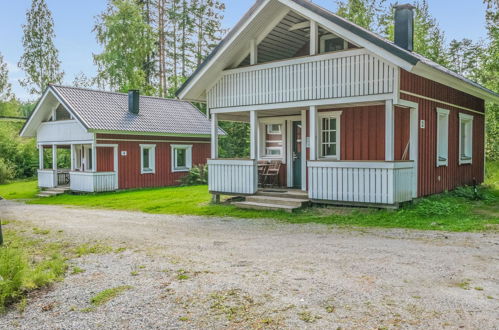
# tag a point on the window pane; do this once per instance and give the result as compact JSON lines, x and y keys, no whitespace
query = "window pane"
{"x":332,"y":123}
{"x":181,"y":160}
{"x":145,"y":159}
{"x":330,"y":150}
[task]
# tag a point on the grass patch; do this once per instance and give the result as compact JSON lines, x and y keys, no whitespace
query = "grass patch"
{"x":77,"y":270}
{"x":23,"y":189}
{"x":107,"y":295}
{"x":27,"y":264}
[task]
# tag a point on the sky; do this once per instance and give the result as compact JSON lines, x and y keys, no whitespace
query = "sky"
{"x":74,"y":20}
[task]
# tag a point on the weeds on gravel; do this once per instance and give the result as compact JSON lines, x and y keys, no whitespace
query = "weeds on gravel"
{"x":308,"y":317}
{"x":107,"y":295}
{"x":27,"y":264}
{"x":86,"y":249}
{"x":77,"y":270}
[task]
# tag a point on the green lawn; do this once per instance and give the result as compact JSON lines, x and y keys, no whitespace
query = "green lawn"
{"x":455,"y":211}
{"x":24,"y":189}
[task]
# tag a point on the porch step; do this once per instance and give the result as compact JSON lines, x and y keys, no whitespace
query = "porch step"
{"x":296,"y":194}
{"x":287,"y":201}
{"x":53,"y":192}
{"x":265,"y":206}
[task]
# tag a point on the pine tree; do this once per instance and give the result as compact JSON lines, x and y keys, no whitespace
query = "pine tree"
{"x":365,"y":13}
{"x":5,"y":86}
{"x":208,"y":15}
{"x":466,"y":57}
{"x":127,"y":41}
{"x":40,"y":59}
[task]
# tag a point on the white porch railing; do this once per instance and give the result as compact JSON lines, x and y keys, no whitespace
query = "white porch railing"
{"x":334,"y":75}
{"x":93,"y":181}
{"x":46,"y":179}
{"x":363,"y":182}
{"x":233,"y":176}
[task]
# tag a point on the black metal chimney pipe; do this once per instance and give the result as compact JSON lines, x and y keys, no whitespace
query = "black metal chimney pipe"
{"x":133,"y":101}
{"x":404,"y":26}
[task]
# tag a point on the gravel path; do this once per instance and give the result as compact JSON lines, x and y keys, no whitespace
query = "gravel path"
{"x":195,"y":272}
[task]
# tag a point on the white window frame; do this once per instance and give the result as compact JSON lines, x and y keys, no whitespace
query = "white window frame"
{"x":267,"y":149}
{"x":152,"y":158}
{"x":468,"y":120}
{"x":326,"y":37}
{"x":188,"y":157}
{"x":320,"y":117}
{"x":272,"y":132}
{"x":263,"y":130}
{"x":442,"y":137}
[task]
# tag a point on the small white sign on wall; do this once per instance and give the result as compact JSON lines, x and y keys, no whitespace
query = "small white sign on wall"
{"x":423,"y":124}
{"x":308,"y":141}
{"x":124,"y":153}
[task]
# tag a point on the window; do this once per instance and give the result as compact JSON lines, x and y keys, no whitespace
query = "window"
{"x":330,"y":135}
{"x":273,"y":151}
{"x":465,"y":138}
{"x":442,"y":137}
{"x":181,"y":158}
{"x":332,"y":43}
{"x":148,"y":158}
{"x":274,"y":129}
{"x":271,"y":137}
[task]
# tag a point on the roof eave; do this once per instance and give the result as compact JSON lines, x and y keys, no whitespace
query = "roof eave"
{"x":432,"y":73}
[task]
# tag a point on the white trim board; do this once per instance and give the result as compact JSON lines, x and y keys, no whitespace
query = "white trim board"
{"x":305,"y":104}
{"x":439,"y":101}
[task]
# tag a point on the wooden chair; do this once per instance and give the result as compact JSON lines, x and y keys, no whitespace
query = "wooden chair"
{"x":271,"y":177}
{"x":263,"y":166}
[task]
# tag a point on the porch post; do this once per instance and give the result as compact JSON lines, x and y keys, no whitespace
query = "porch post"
{"x":254,"y":134}
{"x":314,"y":38}
{"x":94,"y":158}
{"x":253,"y":52}
{"x":54,"y":157}
{"x":72,"y":157}
{"x":214,"y":136}
{"x":40,"y":157}
{"x":313,"y":132}
{"x":389,"y":131}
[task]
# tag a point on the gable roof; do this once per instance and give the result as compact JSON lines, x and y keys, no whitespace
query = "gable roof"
{"x":409,"y":61}
{"x":100,"y":111}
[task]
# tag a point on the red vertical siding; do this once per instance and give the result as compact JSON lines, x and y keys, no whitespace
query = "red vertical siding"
{"x":362,"y":133}
{"x":105,"y":159}
{"x":129,"y":165}
{"x":433,"y":179}
{"x":402,"y":132}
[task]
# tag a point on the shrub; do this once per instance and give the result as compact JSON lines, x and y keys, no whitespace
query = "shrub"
{"x":13,"y":266}
{"x":6,"y":172}
{"x":198,"y":175}
{"x":440,"y":208}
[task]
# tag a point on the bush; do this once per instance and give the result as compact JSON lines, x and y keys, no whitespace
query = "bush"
{"x":440,"y":208}
{"x":13,"y":266}
{"x":6,"y":172}
{"x":198,"y":175}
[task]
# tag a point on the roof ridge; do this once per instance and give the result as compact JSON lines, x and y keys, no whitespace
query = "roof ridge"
{"x":118,"y":93}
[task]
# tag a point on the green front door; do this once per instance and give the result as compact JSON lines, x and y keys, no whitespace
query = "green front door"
{"x":297,"y":156}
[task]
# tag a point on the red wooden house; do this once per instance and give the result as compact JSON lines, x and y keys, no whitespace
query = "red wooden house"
{"x":116,"y":141}
{"x":352,"y":117}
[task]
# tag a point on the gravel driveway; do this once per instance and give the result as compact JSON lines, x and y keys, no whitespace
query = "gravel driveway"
{"x":196,"y":272}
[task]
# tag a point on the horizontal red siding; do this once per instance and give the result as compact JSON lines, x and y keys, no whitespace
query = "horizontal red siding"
{"x":433,"y":179}
{"x":129,"y":165}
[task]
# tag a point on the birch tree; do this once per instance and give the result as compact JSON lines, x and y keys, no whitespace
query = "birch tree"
{"x":365,"y":13}
{"x":40,"y":60}
{"x":5,"y":86}
{"x":127,"y":42}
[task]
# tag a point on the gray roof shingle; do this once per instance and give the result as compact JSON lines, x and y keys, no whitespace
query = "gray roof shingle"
{"x":108,"y":111}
